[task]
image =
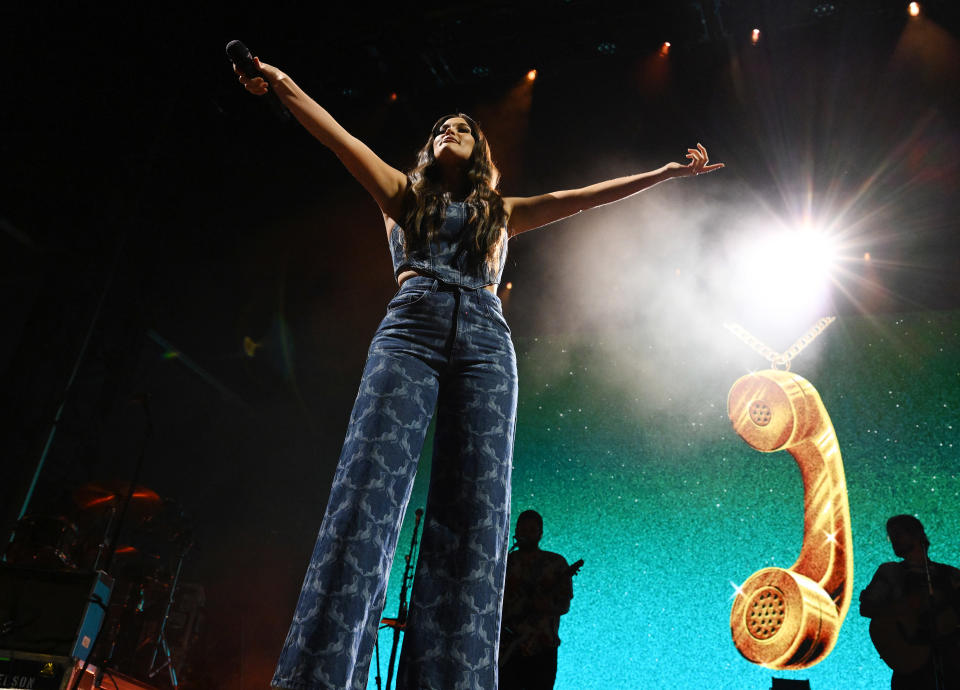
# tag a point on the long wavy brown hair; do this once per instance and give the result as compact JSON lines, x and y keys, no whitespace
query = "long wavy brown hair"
{"x":427,"y":201}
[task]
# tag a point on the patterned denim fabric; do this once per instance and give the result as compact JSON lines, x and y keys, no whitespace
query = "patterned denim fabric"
{"x":442,"y":345}
{"x":444,"y":258}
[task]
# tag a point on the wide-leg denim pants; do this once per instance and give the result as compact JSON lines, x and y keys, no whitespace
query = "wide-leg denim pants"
{"x":439,"y":347}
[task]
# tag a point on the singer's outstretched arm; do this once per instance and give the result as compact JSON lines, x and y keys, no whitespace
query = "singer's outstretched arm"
{"x":527,"y":213}
{"x":385,"y":183}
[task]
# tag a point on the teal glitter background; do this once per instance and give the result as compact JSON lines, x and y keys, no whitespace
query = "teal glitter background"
{"x":627,"y":452}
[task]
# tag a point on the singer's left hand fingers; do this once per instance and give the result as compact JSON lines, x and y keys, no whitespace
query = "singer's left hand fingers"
{"x":704,"y":167}
{"x":698,"y":162}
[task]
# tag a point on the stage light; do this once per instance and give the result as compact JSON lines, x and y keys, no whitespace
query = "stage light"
{"x":531,"y":75}
{"x":606,"y":48}
{"x":665,"y":48}
{"x":755,"y":37}
{"x":509,"y":286}
{"x":785,"y":273}
{"x":393,"y":97}
{"x":914,"y":9}
{"x":866,"y":256}
{"x":824,"y":9}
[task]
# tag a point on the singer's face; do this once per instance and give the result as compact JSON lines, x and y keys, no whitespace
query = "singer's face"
{"x":453,"y":140}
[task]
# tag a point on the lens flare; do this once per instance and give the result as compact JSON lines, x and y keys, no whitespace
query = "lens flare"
{"x":785,"y":274}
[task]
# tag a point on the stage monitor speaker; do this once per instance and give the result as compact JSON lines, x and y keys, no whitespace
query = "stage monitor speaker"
{"x":58,"y":613}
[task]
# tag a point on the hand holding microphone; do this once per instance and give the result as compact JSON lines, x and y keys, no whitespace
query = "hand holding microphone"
{"x":256,"y":76}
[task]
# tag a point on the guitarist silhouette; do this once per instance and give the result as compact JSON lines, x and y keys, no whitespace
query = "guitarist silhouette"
{"x":914,"y":605}
{"x":538,"y":591}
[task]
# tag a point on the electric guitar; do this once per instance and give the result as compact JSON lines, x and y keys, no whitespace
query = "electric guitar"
{"x":905,"y":645}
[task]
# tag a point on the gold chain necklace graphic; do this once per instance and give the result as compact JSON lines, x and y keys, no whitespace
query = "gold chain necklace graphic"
{"x":778,"y":360}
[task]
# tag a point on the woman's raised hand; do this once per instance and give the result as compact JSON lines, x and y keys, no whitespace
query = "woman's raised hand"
{"x":259,"y":86}
{"x":698,"y":163}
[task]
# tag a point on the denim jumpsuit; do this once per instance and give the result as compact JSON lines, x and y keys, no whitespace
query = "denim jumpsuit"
{"x":443,"y":345}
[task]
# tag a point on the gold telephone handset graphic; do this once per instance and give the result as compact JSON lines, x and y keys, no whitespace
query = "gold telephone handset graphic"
{"x":790,"y":618}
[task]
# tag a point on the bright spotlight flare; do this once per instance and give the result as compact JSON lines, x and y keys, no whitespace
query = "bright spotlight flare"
{"x":914,"y":9}
{"x":241,"y":56}
{"x":784,"y":275}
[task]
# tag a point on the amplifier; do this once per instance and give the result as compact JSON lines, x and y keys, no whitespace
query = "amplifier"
{"x":20,"y":670}
{"x":55,"y":613}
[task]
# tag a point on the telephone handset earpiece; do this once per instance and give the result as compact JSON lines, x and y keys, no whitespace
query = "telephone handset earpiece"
{"x":790,"y":618}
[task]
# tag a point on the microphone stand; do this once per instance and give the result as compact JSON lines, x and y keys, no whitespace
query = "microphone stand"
{"x":402,"y":613}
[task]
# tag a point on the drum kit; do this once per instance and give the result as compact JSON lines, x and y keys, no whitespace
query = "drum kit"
{"x":141,"y":541}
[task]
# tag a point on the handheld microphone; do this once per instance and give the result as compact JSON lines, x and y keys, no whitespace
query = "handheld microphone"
{"x":241,"y":56}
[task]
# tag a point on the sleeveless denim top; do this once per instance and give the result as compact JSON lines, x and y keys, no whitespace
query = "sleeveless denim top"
{"x":443,"y":259}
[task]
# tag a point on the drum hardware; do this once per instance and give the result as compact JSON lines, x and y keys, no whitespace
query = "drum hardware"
{"x":137,"y":642}
{"x":147,"y":560}
{"x":44,"y":541}
{"x":161,"y":646}
{"x":110,"y":498}
{"x":119,"y":498}
{"x":125,"y":529}
{"x":134,"y":606}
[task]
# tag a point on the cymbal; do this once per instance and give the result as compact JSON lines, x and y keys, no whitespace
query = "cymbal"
{"x":106,"y":495}
{"x":126,"y":550}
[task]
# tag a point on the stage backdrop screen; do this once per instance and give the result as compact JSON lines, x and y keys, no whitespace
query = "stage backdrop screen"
{"x":625,"y":446}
